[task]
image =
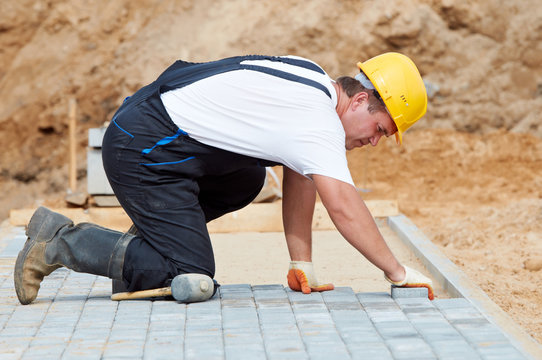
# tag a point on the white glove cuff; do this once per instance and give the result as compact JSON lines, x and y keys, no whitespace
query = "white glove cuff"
{"x":307,"y":268}
{"x":412,"y":277}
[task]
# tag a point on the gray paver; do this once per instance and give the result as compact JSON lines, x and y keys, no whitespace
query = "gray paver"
{"x":399,"y":292}
{"x":74,"y":318}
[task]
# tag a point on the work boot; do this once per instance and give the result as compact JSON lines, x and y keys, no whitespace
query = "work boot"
{"x":53,"y":241}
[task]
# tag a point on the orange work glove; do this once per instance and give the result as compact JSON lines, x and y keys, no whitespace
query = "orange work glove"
{"x":414,"y":278}
{"x":301,"y":278}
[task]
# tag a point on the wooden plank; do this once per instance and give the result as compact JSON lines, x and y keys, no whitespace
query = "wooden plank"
{"x":113,"y":218}
{"x":267,"y":217}
{"x":261,"y":217}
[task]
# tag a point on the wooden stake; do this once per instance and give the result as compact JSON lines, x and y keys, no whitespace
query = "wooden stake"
{"x":72,"y":168}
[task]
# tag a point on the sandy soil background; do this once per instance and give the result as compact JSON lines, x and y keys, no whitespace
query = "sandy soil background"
{"x":470,"y":174}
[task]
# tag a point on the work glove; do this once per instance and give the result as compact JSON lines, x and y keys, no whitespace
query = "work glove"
{"x":301,"y":278}
{"x":414,"y":278}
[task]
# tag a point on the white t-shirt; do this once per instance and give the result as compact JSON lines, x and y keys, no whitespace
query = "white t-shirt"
{"x":267,"y":117}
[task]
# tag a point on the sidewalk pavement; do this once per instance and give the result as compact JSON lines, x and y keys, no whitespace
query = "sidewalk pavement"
{"x":74,"y":318}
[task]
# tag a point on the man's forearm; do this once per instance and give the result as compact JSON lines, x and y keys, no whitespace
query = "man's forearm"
{"x":299,"y":196}
{"x":354,"y":221}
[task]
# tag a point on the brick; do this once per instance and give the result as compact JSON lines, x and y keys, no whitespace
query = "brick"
{"x":478,"y":331}
{"x":440,"y":332}
{"x":270,"y":287}
{"x":326,"y":352}
{"x":422,"y":313}
{"x":400,"y":292}
{"x":126,"y":348}
{"x":462,"y":314}
{"x":454,"y":349}
{"x":44,"y":352}
{"x":410,"y":348}
{"x":396,"y":329}
{"x":355,"y":336}
{"x":452,"y":303}
{"x":500,"y":351}
{"x":370,"y":351}
{"x":367,"y":297}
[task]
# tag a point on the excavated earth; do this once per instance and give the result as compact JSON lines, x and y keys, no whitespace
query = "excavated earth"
{"x":469,"y":175}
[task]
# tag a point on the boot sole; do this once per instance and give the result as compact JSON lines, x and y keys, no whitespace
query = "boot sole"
{"x":18,"y":272}
{"x":188,"y":288}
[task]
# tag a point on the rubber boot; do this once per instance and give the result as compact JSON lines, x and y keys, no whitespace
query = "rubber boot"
{"x":118,"y":286}
{"x":54,"y":242}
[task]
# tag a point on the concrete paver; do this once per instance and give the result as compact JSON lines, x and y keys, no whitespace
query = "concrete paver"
{"x":73,"y":317}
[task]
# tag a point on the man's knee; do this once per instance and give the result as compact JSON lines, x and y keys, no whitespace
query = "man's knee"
{"x":144,"y":268}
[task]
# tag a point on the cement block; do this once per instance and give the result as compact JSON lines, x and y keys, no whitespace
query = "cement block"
{"x":452,"y":303}
{"x":396,"y":330}
{"x":370,"y":350}
{"x":95,"y":137}
{"x":400,"y":292}
{"x":374,"y":297}
{"x":97,"y":182}
{"x":454,"y":349}
{"x":500,"y":351}
{"x":410,"y":348}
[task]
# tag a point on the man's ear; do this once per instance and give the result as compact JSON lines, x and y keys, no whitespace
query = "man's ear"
{"x":359,"y":99}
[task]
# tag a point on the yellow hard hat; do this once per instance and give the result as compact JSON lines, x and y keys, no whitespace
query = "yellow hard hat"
{"x":400,"y":85}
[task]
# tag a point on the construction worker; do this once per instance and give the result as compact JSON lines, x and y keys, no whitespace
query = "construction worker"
{"x":193,"y":146}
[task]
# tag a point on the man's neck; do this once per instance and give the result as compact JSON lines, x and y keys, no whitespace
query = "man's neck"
{"x":343,"y":100}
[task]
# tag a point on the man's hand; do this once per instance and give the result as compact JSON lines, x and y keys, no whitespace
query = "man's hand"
{"x":301,"y":278}
{"x":414,"y":278}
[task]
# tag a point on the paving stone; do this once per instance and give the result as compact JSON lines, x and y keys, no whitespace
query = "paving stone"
{"x":410,"y":348}
{"x":439,"y":332}
{"x":456,"y":348}
{"x":396,"y":329}
{"x":370,"y":351}
{"x":422,"y":313}
{"x":245,"y":351}
{"x":355,"y":336}
{"x":126,"y":348}
{"x":386,"y":316}
{"x":378,"y":297}
{"x":499,"y":351}
{"x":74,"y":318}
{"x":462,"y":314}
{"x":415,"y":303}
{"x":480,"y":331}
{"x":51,"y":351}
{"x":341,"y":299}
{"x":400,"y":292}
{"x":452,"y":303}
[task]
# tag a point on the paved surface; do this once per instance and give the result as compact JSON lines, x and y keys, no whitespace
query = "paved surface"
{"x":73,"y":317}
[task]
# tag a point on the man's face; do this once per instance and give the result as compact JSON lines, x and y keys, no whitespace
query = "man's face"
{"x":362,"y":127}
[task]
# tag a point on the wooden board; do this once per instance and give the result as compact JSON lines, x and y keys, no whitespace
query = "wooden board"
{"x":261,"y":217}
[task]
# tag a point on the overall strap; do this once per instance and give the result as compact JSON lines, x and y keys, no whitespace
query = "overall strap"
{"x":181,"y":73}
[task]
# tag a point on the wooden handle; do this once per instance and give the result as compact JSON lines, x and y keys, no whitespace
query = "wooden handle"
{"x":142,"y":294}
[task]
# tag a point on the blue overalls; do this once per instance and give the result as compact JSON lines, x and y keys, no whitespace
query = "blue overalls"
{"x":171,"y":185}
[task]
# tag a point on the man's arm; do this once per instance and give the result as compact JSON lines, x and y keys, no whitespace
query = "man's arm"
{"x":299,"y":196}
{"x":354,"y":221}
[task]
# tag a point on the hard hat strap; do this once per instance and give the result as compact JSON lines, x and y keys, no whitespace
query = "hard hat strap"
{"x":364,"y":80}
